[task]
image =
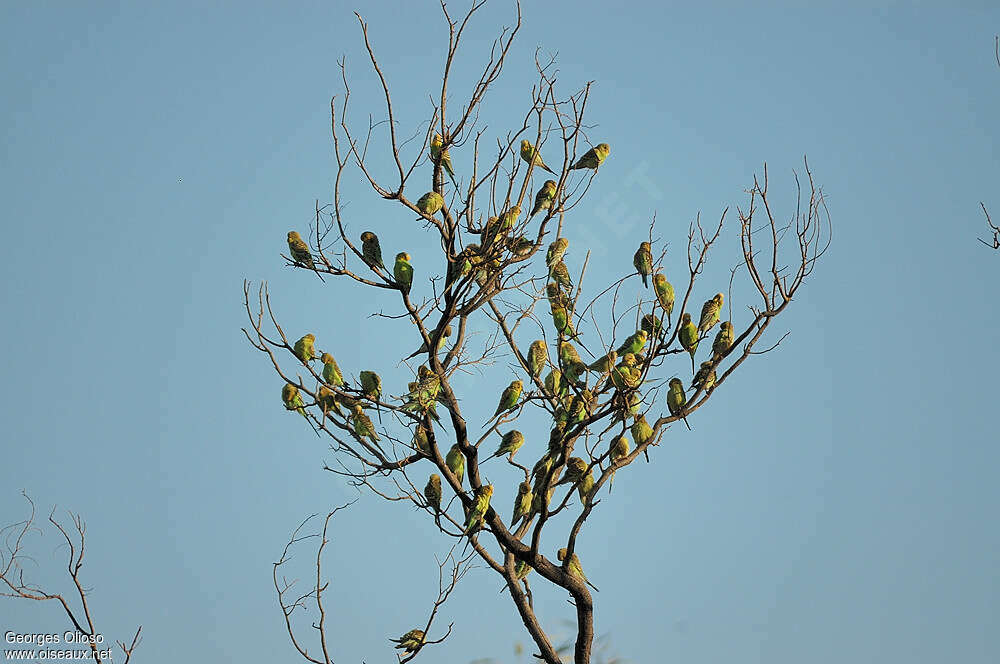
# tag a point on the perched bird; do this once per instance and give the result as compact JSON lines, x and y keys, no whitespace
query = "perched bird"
{"x":688,"y":336}
{"x":442,"y":157}
{"x":430,"y":203}
{"x":641,"y":431}
{"x":520,"y":246}
{"x":300,"y":250}
{"x":441,"y":342}
{"x":491,"y":231}
{"x":585,"y":487}
{"x":574,"y":566}
{"x":619,"y":450}
{"x":544,"y":197}
{"x":363,"y":426}
{"x":538,"y":355}
{"x":554,"y":383}
{"x":556,"y":251}
{"x":371,"y":251}
{"x":402,"y":271}
{"x":530,"y":154}
{"x":522,"y":503}
{"x":412,"y":641}
{"x":456,"y":462}
{"x":605,"y":363}
{"x":421,"y":440}
{"x":509,"y":397}
{"x":635,"y":343}
{"x":480,"y":504}
{"x":509,"y":218}
{"x":723,"y":340}
{"x":510,"y":444}
{"x":710,"y":314}
{"x":293,"y":400}
{"x":568,"y":354}
{"x":664,"y":292}
{"x":560,"y":274}
{"x":705,"y":378}
{"x":643,"y":261}
{"x":327,"y":400}
{"x":432,"y":492}
{"x":371,"y":385}
{"x":561,"y":319}
{"x":304,"y":349}
{"x":593,"y":158}
{"x":653,"y":326}
{"x":576,"y":468}
{"x":676,"y":399}
{"x":331,"y":372}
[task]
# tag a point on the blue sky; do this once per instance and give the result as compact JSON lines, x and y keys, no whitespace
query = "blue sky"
{"x":835,"y":502}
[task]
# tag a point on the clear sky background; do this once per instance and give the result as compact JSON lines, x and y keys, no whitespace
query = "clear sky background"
{"x":837,"y":501}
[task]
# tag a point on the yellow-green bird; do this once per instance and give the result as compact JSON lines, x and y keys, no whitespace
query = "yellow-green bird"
{"x":305,"y":349}
{"x":619,"y":450}
{"x":300,"y":250}
{"x":441,"y":342}
{"x":430,"y":203}
{"x":723,"y":340}
{"x":593,"y":158}
{"x":293,"y":400}
{"x":520,"y":246}
{"x":585,"y":487}
{"x":664,"y":292}
{"x":529,"y":154}
{"x":522,"y":503}
{"x":538,"y":355}
{"x":561,"y":318}
{"x":568,"y":354}
{"x":575,"y":568}
{"x":480,"y":504}
{"x":491,"y":231}
{"x":371,"y":385}
{"x":371,"y":250}
{"x":509,"y":218}
{"x":432,"y":492}
{"x":605,"y":363}
{"x":641,"y":431}
{"x":442,"y":157}
{"x":653,"y":326}
{"x":412,"y":641}
{"x":576,"y":468}
{"x":676,"y":399}
{"x":509,"y":397}
{"x":456,"y":462}
{"x":331,"y":372}
{"x":544,"y":197}
{"x":643,"y":262}
{"x":554,"y":383}
{"x":510,"y":444}
{"x":402,"y":271}
{"x":705,"y":378}
{"x":363,"y":426}
{"x":421,"y":440}
{"x":635,"y":343}
{"x":688,"y":336}
{"x":556,"y":251}
{"x":560,"y":274}
{"x":327,"y":400}
{"x":710,"y":313}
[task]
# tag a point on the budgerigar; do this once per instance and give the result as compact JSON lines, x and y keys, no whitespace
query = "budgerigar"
{"x":710,"y":313}
{"x":456,"y":462}
{"x":529,"y":154}
{"x":605,"y":363}
{"x":402,"y":271}
{"x":560,"y":274}
{"x":641,"y":431}
{"x":371,"y":385}
{"x":568,"y":354}
{"x":522,"y":503}
{"x":561,"y":319}
{"x":520,"y":246}
{"x":574,"y":566}
{"x":676,"y":399}
{"x":576,"y":468}
{"x":619,"y":450}
{"x":635,"y":343}
{"x":664,"y":292}
{"x":331,"y":372}
{"x":363,"y":426}
{"x":442,"y":157}
{"x":643,"y":262}
{"x":300,"y":250}
{"x":305,"y":349}
{"x":593,"y":158}
{"x":723,"y":340}
{"x":480,"y":504}
{"x":412,"y":641}
{"x":371,"y":250}
{"x":688,"y":336}
{"x":510,"y":444}
{"x":544,"y":197}
{"x":423,"y":347}
{"x":421,"y":441}
{"x":556,"y":251}
{"x":653,"y":326}
{"x":509,"y":218}
{"x":538,"y":355}
{"x":327,"y":400}
{"x":293,"y":400}
{"x":509,"y":397}
{"x":555,"y":384}
{"x":585,"y":487}
{"x":705,"y":378}
{"x":432,"y":492}
{"x":430,"y":203}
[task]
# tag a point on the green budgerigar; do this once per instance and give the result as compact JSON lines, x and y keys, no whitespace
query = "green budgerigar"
{"x":653,"y":326}
{"x":371,"y":250}
{"x":510,"y":444}
{"x":710,"y":313}
{"x":585,"y":487}
{"x":480,"y":504}
{"x":305,"y":349}
{"x":619,"y":450}
{"x":560,"y":274}
{"x":421,"y":440}
{"x":641,"y":431}
{"x":605,"y":363}
{"x":705,"y":378}
{"x":635,"y":343}
{"x":593,"y":158}
{"x":412,"y":641}
{"x":293,"y":400}
{"x":371,"y":385}
{"x":331,"y":372}
{"x":556,"y":251}
{"x":456,"y":462}
{"x":676,"y":399}
{"x":509,"y":218}
{"x":555,"y":384}
{"x":529,"y":154}
{"x":520,"y":246}
{"x":664,"y":292}
{"x":402,"y":272}
{"x":327,"y":400}
{"x":544,"y":197}
{"x":688,"y":336}
{"x":442,"y":157}
{"x":643,"y":262}
{"x":574,"y":566}
{"x":440,"y":344}
{"x":430,"y":203}
{"x":723,"y":340}
{"x":576,"y":468}
{"x":300,"y":250}
{"x":363,"y":426}
{"x":538,"y":355}
{"x":509,"y":397}
{"x":432,"y":492}
{"x":522,"y":503}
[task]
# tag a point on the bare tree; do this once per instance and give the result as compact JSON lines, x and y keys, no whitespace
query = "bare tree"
{"x":14,"y":582}
{"x":494,"y":274}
